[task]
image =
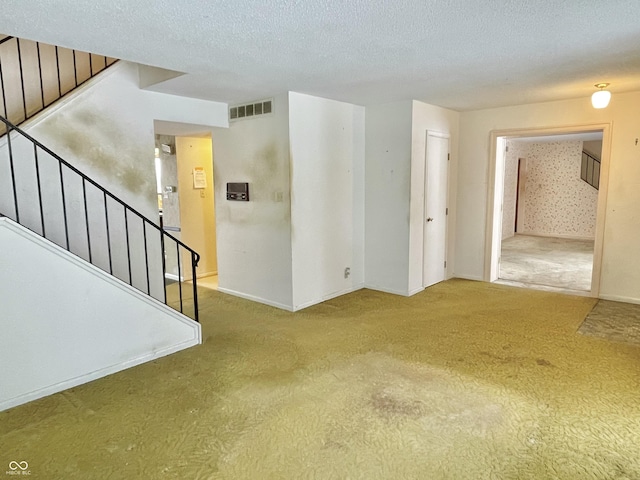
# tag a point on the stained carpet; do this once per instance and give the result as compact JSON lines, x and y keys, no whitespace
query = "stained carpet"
{"x":615,"y":321}
{"x":465,"y":380}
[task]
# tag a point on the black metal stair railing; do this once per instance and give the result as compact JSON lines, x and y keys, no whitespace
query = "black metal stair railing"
{"x":48,"y":195}
{"x":34,"y":75}
{"x":590,"y":170}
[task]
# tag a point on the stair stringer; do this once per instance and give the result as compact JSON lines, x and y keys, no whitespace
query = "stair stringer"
{"x":65,"y":322}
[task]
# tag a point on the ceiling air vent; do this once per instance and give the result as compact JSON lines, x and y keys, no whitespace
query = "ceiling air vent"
{"x":248,"y":110}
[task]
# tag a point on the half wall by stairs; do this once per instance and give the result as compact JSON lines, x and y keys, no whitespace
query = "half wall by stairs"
{"x":66,"y":322}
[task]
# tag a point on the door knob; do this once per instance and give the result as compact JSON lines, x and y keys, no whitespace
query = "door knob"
{"x":429,"y":219}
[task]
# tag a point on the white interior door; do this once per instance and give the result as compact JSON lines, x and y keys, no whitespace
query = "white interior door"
{"x":435,"y":219}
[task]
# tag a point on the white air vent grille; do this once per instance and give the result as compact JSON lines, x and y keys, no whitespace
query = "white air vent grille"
{"x":248,"y":110}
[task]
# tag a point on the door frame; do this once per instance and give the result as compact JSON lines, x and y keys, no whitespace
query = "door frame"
{"x":493,"y":237}
{"x":435,"y":133}
{"x":520,"y":192}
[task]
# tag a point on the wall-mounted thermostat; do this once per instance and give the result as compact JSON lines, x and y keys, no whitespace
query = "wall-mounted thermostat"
{"x":238,"y":191}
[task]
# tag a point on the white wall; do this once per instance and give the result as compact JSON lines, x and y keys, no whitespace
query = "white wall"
{"x":394,"y":186}
{"x":327,"y":197}
{"x":388,"y":142}
{"x":65,"y":322}
{"x":620,"y":277}
{"x":430,"y":118}
{"x":254,"y":238}
{"x":105,"y":129}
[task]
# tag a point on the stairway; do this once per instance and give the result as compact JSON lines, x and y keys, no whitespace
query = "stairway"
{"x":51,"y":197}
{"x":35,"y":75}
{"x":590,"y":170}
{"x":83,"y":287}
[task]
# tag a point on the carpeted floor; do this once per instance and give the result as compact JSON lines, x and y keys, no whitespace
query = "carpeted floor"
{"x":466,"y":380}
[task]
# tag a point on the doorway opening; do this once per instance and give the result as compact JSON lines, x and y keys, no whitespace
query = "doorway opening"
{"x":546,"y":218}
{"x":186,"y":203}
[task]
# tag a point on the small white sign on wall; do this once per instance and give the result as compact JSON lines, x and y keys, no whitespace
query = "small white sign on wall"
{"x":199,"y":178}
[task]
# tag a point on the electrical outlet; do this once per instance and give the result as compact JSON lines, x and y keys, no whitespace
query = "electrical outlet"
{"x":347,"y":272}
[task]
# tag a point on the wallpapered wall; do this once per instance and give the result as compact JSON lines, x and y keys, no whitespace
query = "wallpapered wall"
{"x":555,"y":201}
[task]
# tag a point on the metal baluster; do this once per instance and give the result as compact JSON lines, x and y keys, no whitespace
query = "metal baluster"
{"x":4,"y":97}
{"x":64,"y":208}
{"x":40,"y":72}
{"x":86,"y":217}
{"x":195,"y":287}
{"x":126,"y":232}
{"x":106,"y":219}
{"x":179,"y":274}
{"x":146,"y":255}
{"x":75,"y":68}
{"x":58,"y":70}
{"x":24,"y":97}
{"x":13,"y":174}
{"x":164,"y":266}
{"x":35,"y":153}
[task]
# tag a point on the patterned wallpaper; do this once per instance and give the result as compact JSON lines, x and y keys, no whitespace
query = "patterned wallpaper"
{"x":555,"y":201}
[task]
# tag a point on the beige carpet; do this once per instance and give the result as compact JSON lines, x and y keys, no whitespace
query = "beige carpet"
{"x":466,"y":380}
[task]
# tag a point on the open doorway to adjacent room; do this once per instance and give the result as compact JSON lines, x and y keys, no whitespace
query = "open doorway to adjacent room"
{"x":184,"y":168}
{"x":546,"y":208}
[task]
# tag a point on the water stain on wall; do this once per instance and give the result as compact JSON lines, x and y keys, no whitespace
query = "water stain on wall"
{"x":107,"y":149}
{"x":267,"y":172}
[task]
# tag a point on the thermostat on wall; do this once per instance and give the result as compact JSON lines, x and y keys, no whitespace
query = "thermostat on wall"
{"x":238,"y":192}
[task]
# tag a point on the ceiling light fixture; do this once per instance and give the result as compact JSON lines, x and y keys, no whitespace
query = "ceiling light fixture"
{"x":600,"y":99}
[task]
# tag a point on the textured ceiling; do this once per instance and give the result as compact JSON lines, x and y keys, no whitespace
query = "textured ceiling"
{"x":460,"y":54}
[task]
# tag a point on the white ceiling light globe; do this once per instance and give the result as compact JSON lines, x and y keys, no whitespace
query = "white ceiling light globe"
{"x":600,"y":99}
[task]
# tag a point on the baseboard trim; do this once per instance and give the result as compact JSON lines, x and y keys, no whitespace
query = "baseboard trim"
{"x":207,"y":274}
{"x":352,"y":289}
{"x":386,"y":290}
{"x":463,"y":276}
{"x":620,"y":298}
{"x":254,"y":298}
{"x":173,"y":277}
{"x":553,"y":235}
